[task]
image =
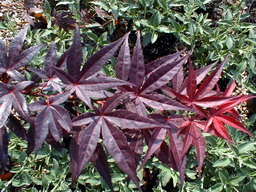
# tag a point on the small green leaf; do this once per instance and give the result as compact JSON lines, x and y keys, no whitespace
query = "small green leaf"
{"x":222,"y":177}
{"x":92,"y":36}
{"x":156,"y":19}
{"x":236,"y":181}
{"x":154,"y":37}
{"x":246,"y":147}
{"x":164,"y":29}
{"x":229,"y":42}
{"x":191,"y":174}
{"x":252,"y":64}
{"x":222,"y":162}
{"x":250,"y":164}
{"x":216,"y":188}
{"x":47,"y":7}
{"x":241,"y":67}
{"x":228,"y":15}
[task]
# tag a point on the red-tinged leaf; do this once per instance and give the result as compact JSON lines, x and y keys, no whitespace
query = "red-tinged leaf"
{"x":199,"y":143}
{"x":123,"y":63}
{"x":75,"y":56}
{"x":64,"y":20}
{"x":176,"y":146}
{"x":113,"y":101}
{"x":137,"y":69}
{"x":42,"y":74}
{"x":119,"y":149}
{"x":63,"y":58}
{"x":149,"y":67}
{"x":210,"y":82}
{"x":137,"y":145}
{"x":212,"y":101}
{"x":155,"y":142}
{"x":234,"y":114}
{"x":164,"y":155}
{"x":20,"y":105}
{"x":82,"y":147}
{"x":170,"y":92}
{"x":177,"y":80}
{"x":100,"y":83}
{"x":232,"y":103}
{"x":5,"y":110}
{"x":162,"y":75}
{"x":140,"y":107}
{"x":127,"y":119}
{"x":191,"y":87}
{"x":41,"y":128}
{"x":64,"y":77}
{"x":100,"y":161}
{"x":160,"y":102}
{"x":51,"y":119}
{"x":22,"y":85}
{"x":60,"y":98}
{"x":187,"y":140}
{"x":50,"y":59}
{"x":25,"y":57}
{"x":4,"y":140}
{"x":83,"y":95}
{"x":228,"y":92}
{"x":96,"y":61}
{"x":14,"y":124}
{"x":16,"y":44}
{"x":38,"y":105}
{"x":3,"y":55}
{"x":61,"y":117}
{"x":231,"y":121}
{"x":17,"y":76}
{"x":221,"y":129}
{"x":84,"y":119}
{"x":200,"y":75}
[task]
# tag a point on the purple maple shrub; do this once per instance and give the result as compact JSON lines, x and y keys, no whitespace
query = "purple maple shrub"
{"x":136,"y":108}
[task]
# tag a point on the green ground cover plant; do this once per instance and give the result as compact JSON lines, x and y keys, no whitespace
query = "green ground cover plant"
{"x":102,"y":105}
{"x":112,"y":112}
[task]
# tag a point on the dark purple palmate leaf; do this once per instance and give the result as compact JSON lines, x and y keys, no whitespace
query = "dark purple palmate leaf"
{"x":170,"y":154}
{"x":14,"y":124}
{"x":4,"y":140}
{"x":85,"y":83}
{"x":147,"y":78}
{"x":51,"y":119}
{"x":16,"y":57}
{"x":11,"y":96}
{"x":104,"y":121}
{"x":47,"y":73}
{"x":100,"y":161}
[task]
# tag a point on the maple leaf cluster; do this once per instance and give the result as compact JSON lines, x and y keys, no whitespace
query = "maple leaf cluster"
{"x":120,"y":115}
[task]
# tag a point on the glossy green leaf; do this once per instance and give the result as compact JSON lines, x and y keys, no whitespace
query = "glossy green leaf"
{"x":222,"y":162}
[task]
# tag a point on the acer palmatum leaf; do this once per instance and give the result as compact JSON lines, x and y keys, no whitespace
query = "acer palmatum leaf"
{"x":137,"y":69}
{"x":16,"y":58}
{"x":11,"y":96}
{"x":119,"y":149}
{"x":52,"y":118}
{"x":86,"y":83}
{"x":170,"y":154}
{"x":82,"y":147}
{"x":193,"y":136}
{"x":47,"y":73}
{"x":100,"y":161}
{"x":4,"y":140}
{"x":108,"y":120}
{"x":123,"y":63}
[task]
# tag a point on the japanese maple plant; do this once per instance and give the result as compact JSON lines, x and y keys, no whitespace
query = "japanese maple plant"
{"x":154,"y":105}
